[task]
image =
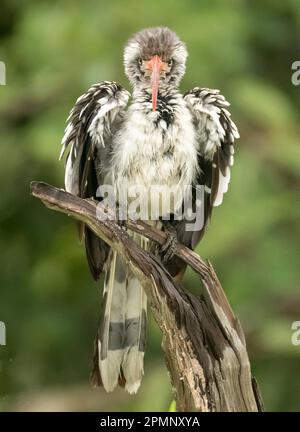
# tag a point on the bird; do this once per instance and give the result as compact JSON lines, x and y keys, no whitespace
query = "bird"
{"x":153,"y":135}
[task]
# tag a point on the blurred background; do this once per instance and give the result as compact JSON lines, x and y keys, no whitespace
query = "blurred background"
{"x":54,"y":50}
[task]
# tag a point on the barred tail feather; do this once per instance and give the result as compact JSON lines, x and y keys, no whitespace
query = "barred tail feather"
{"x":136,"y":322}
{"x":112,"y":332}
{"x":122,"y":337}
{"x":136,"y":329}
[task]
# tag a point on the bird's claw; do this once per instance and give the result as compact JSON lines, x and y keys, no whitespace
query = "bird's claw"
{"x":121,"y":219}
{"x":121,"y":223}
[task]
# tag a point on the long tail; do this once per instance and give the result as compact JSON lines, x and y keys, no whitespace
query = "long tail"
{"x":121,"y":339}
{"x":136,"y":328}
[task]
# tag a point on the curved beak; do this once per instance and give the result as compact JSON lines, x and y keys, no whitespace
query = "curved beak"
{"x":155,"y":65}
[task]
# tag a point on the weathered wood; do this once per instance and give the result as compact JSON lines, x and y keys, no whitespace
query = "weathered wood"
{"x":203,"y":341}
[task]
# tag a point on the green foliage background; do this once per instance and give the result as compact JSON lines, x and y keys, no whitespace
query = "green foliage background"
{"x":54,"y":50}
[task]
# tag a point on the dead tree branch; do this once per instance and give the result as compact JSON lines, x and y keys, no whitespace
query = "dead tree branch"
{"x":203,"y":341}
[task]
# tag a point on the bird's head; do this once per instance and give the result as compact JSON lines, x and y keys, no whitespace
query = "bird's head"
{"x":154,"y":58}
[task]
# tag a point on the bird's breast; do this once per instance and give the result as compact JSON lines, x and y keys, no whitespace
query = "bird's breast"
{"x":149,"y":151}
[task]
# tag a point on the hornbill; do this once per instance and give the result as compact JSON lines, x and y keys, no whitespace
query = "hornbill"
{"x":160,"y":137}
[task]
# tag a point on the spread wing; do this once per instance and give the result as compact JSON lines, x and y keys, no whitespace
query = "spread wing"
{"x":94,"y":118}
{"x":216,"y":133}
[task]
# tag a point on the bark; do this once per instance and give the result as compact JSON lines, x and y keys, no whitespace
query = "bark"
{"x":203,"y":341}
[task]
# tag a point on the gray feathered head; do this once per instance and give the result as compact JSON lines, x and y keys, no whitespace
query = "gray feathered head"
{"x":155,"y":57}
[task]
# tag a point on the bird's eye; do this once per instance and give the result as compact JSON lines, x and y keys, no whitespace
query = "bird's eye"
{"x":170,"y":63}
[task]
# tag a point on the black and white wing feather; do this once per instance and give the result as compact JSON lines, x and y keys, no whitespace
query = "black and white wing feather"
{"x":216,"y":133}
{"x":87,"y":140}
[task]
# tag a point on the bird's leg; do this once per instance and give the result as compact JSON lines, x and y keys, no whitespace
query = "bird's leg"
{"x":121,"y":217}
{"x":167,"y":250}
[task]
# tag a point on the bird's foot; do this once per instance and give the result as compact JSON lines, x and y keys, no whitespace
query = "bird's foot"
{"x":121,"y":223}
{"x":168,"y":249}
{"x":122,"y":218}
